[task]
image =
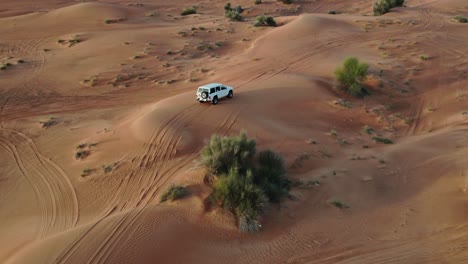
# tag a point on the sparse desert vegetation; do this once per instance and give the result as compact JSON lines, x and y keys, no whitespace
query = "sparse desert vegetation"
{"x":189,"y":11}
{"x":461,"y":19}
{"x":350,"y":76}
{"x":174,"y":192}
{"x":383,"y":6}
{"x":262,"y":21}
{"x":106,"y":157}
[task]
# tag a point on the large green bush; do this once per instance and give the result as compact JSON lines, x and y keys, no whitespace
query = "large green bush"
{"x":241,"y":183}
{"x":383,"y":6}
{"x":223,"y":153}
{"x":351,"y":75}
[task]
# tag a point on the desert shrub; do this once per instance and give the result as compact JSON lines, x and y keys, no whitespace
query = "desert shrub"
{"x":383,"y":140}
{"x":257,"y":2}
{"x":238,"y":193}
{"x":265,"y":21}
{"x":383,"y":6}
{"x":82,"y":154}
{"x":425,"y":57}
{"x":174,"y":192}
{"x":233,"y":14}
{"x":3,"y":67}
{"x":286,"y":1}
{"x":332,"y":12}
{"x":238,"y":185}
{"x":188,"y":11}
{"x":351,"y":75}
{"x":271,"y":175}
{"x":339,"y":204}
{"x":461,"y":19}
{"x":223,"y":153}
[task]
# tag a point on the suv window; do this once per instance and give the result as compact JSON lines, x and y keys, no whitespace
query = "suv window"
{"x":218,"y":89}
{"x":212,"y":90}
{"x":223,"y":88}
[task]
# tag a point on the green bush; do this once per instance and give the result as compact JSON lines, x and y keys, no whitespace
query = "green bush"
{"x":238,"y":185}
{"x":461,"y":19}
{"x":351,"y":75}
{"x":332,"y":12}
{"x":265,"y":21}
{"x":233,"y":13}
{"x":271,"y":175}
{"x":223,"y":153}
{"x":383,"y":140}
{"x":383,"y":6}
{"x":189,"y":11}
{"x":286,"y":1}
{"x":257,"y":2}
{"x":238,"y":193}
{"x":173,"y":193}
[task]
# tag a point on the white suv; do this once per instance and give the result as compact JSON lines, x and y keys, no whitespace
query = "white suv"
{"x":213,"y":92}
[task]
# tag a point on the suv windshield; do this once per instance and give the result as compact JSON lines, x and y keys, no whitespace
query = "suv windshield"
{"x":201,"y":90}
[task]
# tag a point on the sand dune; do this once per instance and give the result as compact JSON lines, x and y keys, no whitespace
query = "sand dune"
{"x":117,"y":80}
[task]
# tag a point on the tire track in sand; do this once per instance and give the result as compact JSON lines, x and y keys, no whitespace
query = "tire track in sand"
{"x":55,"y":195}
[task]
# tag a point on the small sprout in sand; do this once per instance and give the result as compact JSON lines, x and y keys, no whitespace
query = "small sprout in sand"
{"x":112,"y":21}
{"x":107,"y":168}
{"x":82,"y":154}
{"x":333,"y":133}
{"x":81,"y":146}
{"x":342,"y":141}
{"x":339,"y":204}
{"x":49,"y":122}
{"x":369,"y":130}
{"x":383,"y":140}
{"x":425,"y":57}
{"x":343,"y":103}
{"x":189,"y":11}
{"x":86,"y":172}
{"x":174,"y":192}
{"x":461,"y":19}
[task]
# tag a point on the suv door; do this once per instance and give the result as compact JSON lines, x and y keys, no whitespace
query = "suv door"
{"x":224,"y":91}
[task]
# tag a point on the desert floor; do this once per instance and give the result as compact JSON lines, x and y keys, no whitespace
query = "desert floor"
{"x":125,"y":89}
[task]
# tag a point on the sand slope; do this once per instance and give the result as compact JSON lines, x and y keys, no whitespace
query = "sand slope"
{"x":124,"y":92}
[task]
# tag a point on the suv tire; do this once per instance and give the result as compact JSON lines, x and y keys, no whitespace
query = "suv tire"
{"x":204,"y":95}
{"x":215,"y":100}
{"x":230,"y":95}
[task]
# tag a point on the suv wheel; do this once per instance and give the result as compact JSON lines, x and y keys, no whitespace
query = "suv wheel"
{"x":230,"y":95}
{"x":204,"y":95}
{"x":215,"y":100}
